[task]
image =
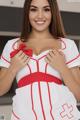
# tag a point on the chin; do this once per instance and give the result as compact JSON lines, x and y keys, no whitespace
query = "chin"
{"x":38,"y":29}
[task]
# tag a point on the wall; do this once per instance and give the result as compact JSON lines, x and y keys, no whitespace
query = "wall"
{"x":11,"y":21}
{"x":6,"y":111}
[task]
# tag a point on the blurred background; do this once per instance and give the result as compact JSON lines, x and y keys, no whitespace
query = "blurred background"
{"x":10,"y":26}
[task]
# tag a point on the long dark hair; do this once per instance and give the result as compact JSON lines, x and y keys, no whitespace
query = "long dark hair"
{"x":56,"y":26}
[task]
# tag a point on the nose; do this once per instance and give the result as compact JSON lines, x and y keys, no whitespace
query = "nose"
{"x":40,"y":14}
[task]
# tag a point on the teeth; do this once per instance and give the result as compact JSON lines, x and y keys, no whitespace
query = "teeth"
{"x":40,"y":22}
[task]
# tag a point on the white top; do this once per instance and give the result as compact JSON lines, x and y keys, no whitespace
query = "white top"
{"x":40,"y":95}
{"x":69,"y":48}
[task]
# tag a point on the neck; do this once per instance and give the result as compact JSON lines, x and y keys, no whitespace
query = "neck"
{"x":40,"y":35}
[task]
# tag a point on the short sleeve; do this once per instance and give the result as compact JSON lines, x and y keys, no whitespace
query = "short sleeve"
{"x":5,"y":57}
{"x":72,"y":55}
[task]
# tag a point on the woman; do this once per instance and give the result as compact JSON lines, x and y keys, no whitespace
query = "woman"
{"x":42,"y":59}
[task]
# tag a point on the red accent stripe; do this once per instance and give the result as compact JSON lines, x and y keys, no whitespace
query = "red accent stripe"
{"x":33,"y":103}
{"x":39,"y":58}
{"x":5,"y":59}
{"x":49,"y":93}
{"x":29,"y":68}
{"x":32,"y":96}
{"x":33,"y":59}
{"x":41,"y":101}
{"x":65,"y":111}
{"x":46,"y":67}
{"x":50,"y":101}
{"x":15,"y":115}
{"x":73,"y":59}
{"x":63,"y":43}
{"x":37,"y":66}
{"x":37,"y":77}
{"x":13,"y":46}
{"x":42,"y":57}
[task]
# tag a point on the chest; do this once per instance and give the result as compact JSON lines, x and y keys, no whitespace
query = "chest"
{"x":39,"y":48}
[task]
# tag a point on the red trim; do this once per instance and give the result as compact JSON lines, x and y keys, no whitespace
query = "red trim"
{"x":33,"y":103}
{"x":49,"y":93}
{"x":38,"y":58}
{"x":50,"y":101}
{"x":63,"y":43}
{"x":33,"y":59}
{"x":29,"y":68}
{"x":73,"y":59}
{"x":64,"y":111}
{"x":5,"y":59}
{"x":15,"y":115}
{"x":41,"y":101}
{"x":42,"y":57}
{"x":37,"y":66}
{"x":46,"y":67}
{"x":37,"y":77}
{"x":13,"y":46}
{"x":32,"y":96}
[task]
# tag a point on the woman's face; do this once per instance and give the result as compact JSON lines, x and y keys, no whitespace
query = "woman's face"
{"x":40,"y":15}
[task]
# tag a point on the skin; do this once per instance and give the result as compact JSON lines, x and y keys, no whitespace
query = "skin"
{"x":39,"y":36}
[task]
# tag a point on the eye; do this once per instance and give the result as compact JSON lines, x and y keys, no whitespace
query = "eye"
{"x":33,"y":9}
{"x":47,"y":9}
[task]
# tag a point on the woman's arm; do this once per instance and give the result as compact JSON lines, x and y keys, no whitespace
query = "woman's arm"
{"x":71,"y":77}
{"x":7,"y":75}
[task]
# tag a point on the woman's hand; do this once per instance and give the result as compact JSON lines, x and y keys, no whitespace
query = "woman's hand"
{"x":56,"y":59}
{"x":20,"y":60}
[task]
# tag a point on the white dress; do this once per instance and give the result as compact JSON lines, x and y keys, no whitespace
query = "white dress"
{"x":40,"y":94}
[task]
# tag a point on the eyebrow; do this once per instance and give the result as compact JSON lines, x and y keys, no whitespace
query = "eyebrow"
{"x":37,"y":7}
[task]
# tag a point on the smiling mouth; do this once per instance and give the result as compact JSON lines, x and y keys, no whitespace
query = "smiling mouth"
{"x":40,"y":22}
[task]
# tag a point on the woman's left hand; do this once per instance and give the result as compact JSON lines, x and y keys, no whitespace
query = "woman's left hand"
{"x":56,"y":59}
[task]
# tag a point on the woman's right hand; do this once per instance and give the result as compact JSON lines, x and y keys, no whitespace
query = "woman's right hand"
{"x":20,"y":60}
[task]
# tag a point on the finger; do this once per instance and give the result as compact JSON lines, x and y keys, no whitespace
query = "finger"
{"x":51,"y":53}
{"x":55,"y":52}
{"x":61,"y":53}
{"x":47,"y":60}
{"x":26,"y":61}
{"x":49,"y":57}
{"x":23,"y":56}
{"x":19,"y":53}
{"x":26,"y":58}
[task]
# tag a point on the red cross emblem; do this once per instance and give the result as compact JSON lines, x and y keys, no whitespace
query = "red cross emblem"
{"x":67,"y":111}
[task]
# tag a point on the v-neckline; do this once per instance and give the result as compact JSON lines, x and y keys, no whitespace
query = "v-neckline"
{"x":44,"y":53}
